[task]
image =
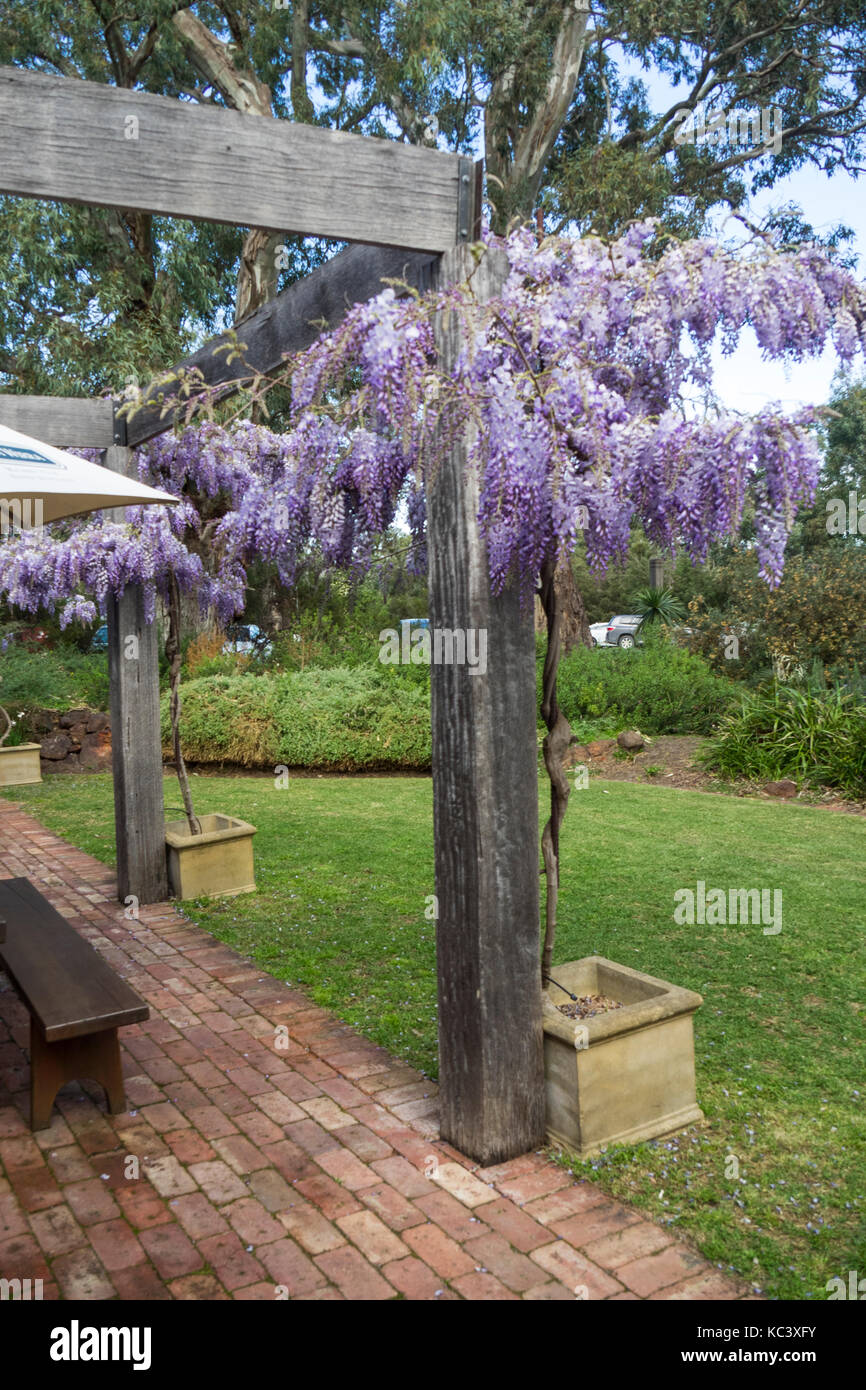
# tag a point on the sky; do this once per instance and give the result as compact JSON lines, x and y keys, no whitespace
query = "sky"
{"x":745,"y":381}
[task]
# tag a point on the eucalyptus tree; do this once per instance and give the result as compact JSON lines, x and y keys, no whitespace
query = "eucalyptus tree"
{"x":553,"y":93}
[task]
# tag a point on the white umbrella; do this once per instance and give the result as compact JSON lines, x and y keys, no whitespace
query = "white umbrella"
{"x":39,"y":483}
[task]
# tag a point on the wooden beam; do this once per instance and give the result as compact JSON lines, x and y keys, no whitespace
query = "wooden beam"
{"x":95,"y":144}
{"x":67,"y":422}
{"x":136,"y":746}
{"x":485,"y":807}
{"x":287,"y":324}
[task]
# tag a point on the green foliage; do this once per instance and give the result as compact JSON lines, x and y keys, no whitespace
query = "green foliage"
{"x":660,"y":688}
{"x":50,"y":678}
{"x":814,"y":614}
{"x":613,"y":591}
{"x":340,"y":719}
{"x":655,"y":605}
{"x":817,"y":737}
{"x":843,"y":471}
{"x":92,"y":296}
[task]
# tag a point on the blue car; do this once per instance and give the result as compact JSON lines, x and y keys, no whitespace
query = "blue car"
{"x":99,"y":642}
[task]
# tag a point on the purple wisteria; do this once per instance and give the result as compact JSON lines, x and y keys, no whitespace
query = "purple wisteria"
{"x":587,"y":381}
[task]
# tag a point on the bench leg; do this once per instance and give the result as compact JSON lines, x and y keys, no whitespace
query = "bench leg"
{"x":95,"y":1057}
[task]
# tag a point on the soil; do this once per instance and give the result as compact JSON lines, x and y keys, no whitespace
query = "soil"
{"x":588,"y":1005}
{"x":671,"y":758}
{"x":672,"y":754}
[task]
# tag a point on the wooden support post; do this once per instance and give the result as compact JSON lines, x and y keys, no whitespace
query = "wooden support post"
{"x":116,"y":147}
{"x":68,"y":422}
{"x":485,"y":800}
{"x":656,"y":573}
{"x":136,"y":747}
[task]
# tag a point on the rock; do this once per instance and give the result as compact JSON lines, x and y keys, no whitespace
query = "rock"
{"x":784,"y":788}
{"x":78,"y":734}
{"x":575,"y":755}
{"x":68,"y":764}
{"x":97,"y":722}
{"x":631,"y":740}
{"x":74,"y":716}
{"x":95,"y":755}
{"x":56,"y":748}
{"x":599,"y":748}
{"x":43,"y":721}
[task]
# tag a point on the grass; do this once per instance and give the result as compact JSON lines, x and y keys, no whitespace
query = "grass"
{"x":345,"y":867}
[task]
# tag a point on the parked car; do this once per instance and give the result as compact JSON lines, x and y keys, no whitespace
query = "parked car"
{"x":623,"y":631}
{"x":99,"y":641}
{"x":246,"y":639}
{"x":598,"y":633}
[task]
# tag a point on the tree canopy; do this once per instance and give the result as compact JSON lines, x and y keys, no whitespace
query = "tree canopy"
{"x":556,"y":94}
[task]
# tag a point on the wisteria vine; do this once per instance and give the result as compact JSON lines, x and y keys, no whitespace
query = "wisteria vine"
{"x":588,"y":380}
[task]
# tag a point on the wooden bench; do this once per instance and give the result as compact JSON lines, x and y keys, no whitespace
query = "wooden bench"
{"x":76,"y":1001}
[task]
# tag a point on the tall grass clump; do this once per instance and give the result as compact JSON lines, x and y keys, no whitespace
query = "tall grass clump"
{"x":811,"y":735}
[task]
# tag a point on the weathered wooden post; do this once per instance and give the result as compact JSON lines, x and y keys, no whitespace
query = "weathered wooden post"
{"x":59,"y":139}
{"x":656,"y":573}
{"x":485,"y":803}
{"x":136,"y":746}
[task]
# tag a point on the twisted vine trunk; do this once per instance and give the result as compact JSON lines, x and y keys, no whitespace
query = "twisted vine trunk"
{"x":556,"y":742}
{"x":8,"y":730}
{"x":172,"y":651}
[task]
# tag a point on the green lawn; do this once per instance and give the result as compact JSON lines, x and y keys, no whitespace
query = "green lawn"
{"x":344,"y":868}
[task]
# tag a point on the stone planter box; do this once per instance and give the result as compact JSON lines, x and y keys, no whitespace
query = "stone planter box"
{"x":217,"y":863}
{"x":622,"y":1076}
{"x":19,"y":765}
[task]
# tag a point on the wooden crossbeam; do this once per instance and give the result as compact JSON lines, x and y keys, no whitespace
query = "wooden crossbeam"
{"x":67,"y":422}
{"x":90,"y":143}
{"x":287,"y":324}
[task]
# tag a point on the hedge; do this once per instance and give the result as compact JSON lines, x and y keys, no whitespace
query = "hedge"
{"x":335,"y":720}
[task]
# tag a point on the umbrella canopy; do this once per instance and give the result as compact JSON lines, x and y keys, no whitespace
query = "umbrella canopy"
{"x":39,"y":484}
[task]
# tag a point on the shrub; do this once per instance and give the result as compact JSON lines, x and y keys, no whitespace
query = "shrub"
{"x":815,"y":736}
{"x":335,"y":720}
{"x":50,"y":678}
{"x":660,"y":688}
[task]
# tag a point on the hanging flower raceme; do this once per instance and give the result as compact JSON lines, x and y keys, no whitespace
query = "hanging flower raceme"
{"x":576,"y":389}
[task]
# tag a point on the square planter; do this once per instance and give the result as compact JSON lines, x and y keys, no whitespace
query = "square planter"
{"x":622,"y":1076}
{"x":217,"y":863}
{"x":19,"y":765}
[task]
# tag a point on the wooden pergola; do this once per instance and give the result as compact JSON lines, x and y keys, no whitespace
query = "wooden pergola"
{"x":410,"y":213}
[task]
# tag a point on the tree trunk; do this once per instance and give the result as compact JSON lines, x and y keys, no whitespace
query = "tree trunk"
{"x":573,"y":622}
{"x":517,"y":147}
{"x":556,"y":742}
{"x":172,"y":651}
{"x":243,"y":91}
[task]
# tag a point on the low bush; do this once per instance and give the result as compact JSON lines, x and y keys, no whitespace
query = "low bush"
{"x":660,"y":688}
{"x":49,"y":678}
{"x":335,"y":720}
{"x":814,"y":736}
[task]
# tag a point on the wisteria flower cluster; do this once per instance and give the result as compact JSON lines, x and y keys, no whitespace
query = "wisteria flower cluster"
{"x":587,"y":383}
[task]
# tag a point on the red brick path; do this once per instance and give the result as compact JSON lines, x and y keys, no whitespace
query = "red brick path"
{"x":309,"y":1172}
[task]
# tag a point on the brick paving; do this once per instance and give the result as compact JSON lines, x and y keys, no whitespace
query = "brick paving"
{"x":248,"y":1170}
